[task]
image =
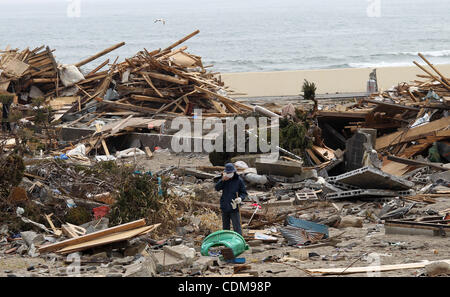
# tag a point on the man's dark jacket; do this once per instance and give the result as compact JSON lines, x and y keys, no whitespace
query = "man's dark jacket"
{"x":229,"y":189}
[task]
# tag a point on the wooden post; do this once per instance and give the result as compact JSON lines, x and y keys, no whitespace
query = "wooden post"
{"x":182,"y":40}
{"x":98,"y":55}
{"x":434,"y":77}
{"x":434,"y":68}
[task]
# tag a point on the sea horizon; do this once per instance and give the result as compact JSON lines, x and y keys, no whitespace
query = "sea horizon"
{"x":237,"y":36}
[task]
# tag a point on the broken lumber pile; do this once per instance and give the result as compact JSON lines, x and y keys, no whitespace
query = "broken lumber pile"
{"x":103,"y":237}
{"x":409,"y":118}
{"x":172,"y":82}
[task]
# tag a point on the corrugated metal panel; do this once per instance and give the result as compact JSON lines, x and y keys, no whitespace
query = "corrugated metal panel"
{"x":299,"y":236}
{"x":307,"y":225}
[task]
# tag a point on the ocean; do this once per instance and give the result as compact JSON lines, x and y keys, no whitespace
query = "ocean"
{"x":237,"y":35}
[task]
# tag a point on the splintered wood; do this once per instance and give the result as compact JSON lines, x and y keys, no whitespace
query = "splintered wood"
{"x":79,"y":241}
{"x":167,"y":82}
{"x":159,"y":83}
{"x":409,"y":118}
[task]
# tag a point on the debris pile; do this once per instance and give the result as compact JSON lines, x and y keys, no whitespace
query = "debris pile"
{"x":348,"y":178}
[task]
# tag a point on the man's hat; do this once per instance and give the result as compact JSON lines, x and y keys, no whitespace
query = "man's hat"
{"x":229,"y":168}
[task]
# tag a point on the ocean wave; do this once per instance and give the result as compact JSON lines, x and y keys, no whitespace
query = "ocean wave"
{"x":441,"y":53}
{"x":378,"y":64}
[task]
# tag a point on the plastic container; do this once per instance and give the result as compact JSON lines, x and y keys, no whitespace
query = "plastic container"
{"x":226,"y":238}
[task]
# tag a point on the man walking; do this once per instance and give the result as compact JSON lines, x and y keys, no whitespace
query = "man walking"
{"x":233,"y":191}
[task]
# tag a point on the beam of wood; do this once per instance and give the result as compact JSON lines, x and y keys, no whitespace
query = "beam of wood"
{"x":105,"y":147}
{"x":412,"y":134}
{"x":433,"y":76}
{"x":73,"y":230}
{"x":219,"y":115}
{"x":43,"y":80}
{"x":98,"y":67}
{"x":179,"y":106}
{"x":343,"y":114}
{"x":141,"y":109}
{"x":165,"y":77}
{"x":165,"y":107}
{"x":313,"y":157}
{"x":49,"y":220}
{"x":98,"y":55}
{"x":149,"y":99}
{"x":117,"y":127}
{"x":150,"y":83}
{"x":435,"y":69}
{"x":377,"y":268}
{"x":223,"y":98}
{"x":91,"y":236}
{"x":230,"y":107}
{"x":218,"y":107}
{"x":415,"y":163}
{"x":181,"y":40}
{"x":183,"y":48}
{"x":391,"y":105}
{"x":148,"y":152}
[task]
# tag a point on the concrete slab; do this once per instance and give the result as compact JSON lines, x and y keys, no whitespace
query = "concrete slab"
{"x":372,"y":178}
{"x":281,"y":168}
{"x":362,"y":193}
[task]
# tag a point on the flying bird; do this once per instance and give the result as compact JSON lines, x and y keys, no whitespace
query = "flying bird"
{"x":160,"y":20}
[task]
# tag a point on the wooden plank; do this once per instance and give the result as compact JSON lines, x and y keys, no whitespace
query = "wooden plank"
{"x":120,"y":236}
{"x":429,"y":73}
{"x":391,"y":105}
{"x":56,"y":231}
{"x":346,"y":114}
{"x":92,"y":236}
{"x":415,"y":163}
{"x":141,"y":109}
{"x":394,"y":168}
{"x":165,"y":77}
{"x":150,"y":83}
{"x":326,"y":153}
{"x":150,"y":99}
{"x":148,"y":152}
{"x":373,"y":268}
{"x":181,"y":40}
{"x":119,"y":126}
{"x":105,"y":147}
{"x":224,"y":99}
{"x":68,"y":232}
{"x":412,"y":134}
{"x":98,"y":68}
{"x":435,"y":69}
{"x":313,"y":157}
{"x":98,"y":55}
{"x":15,"y":67}
{"x":217,"y":106}
{"x":172,"y":53}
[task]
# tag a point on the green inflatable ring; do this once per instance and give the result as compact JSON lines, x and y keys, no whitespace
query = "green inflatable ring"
{"x":226,"y":238}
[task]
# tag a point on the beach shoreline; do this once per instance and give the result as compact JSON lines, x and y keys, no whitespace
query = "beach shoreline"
{"x":328,"y":81}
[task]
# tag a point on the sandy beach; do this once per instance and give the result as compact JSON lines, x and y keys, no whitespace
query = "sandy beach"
{"x":328,"y":81}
